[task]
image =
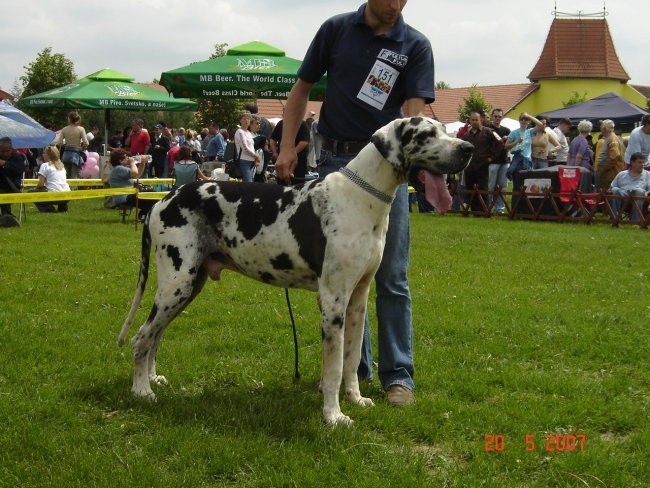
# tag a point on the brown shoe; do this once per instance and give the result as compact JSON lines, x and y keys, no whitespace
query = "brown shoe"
{"x":399,"y":396}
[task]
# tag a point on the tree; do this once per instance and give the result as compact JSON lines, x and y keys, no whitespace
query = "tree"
{"x":474,"y":102}
{"x":575,"y":97}
{"x":223,"y":111}
{"x":442,"y":85}
{"x":46,"y":72}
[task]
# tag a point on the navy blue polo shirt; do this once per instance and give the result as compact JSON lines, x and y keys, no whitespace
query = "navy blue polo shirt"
{"x":368,"y":77}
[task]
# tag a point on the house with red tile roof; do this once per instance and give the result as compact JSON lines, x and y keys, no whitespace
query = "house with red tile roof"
{"x":578,"y":57}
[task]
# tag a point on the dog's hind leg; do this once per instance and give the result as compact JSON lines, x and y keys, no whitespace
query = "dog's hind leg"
{"x":175,"y":292}
{"x":354,"y":323}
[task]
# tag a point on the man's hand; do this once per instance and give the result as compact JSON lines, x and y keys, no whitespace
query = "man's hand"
{"x":285,"y":164}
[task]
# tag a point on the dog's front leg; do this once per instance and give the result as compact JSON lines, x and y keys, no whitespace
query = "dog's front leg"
{"x":332,"y":332}
{"x":354,"y":323}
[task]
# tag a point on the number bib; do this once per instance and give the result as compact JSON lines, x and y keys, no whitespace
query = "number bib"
{"x":378,"y":85}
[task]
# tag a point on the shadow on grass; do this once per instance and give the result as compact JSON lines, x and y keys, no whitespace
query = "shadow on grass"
{"x":281,"y":409}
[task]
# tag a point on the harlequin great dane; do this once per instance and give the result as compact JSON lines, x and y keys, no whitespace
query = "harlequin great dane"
{"x":327,"y":236}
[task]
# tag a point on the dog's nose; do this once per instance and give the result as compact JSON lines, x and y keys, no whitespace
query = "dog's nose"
{"x":467,"y":147}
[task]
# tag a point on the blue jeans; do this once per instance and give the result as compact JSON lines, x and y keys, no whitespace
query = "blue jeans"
{"x":617,"y":204}
{"x":246,"y":168}
{"x":395,"y":326}
{"x":539,"y":163}
{"x":497,"y":176}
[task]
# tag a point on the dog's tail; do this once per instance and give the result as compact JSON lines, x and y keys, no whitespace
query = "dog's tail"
{"x":142,"y":282}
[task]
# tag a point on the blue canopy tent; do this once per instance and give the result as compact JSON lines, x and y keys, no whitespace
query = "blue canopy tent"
{"x":22,"y":129}
{"x":611,"y":106}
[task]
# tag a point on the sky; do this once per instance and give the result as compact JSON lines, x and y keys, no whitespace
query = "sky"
{"x":474,"y":41}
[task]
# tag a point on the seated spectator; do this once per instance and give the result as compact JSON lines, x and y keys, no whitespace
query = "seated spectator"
{"x":51,"y":177}
{"x":123,"y":170}
{"x":634,"y":181}
{"x":12,"y":169}
{"x":186,"y":169}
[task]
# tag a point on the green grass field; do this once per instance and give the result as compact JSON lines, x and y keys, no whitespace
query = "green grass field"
{"x":524,"y":331}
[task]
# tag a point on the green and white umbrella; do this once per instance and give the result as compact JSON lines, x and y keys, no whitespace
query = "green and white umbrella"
{"x":108,"y":90}
{"x":251,"y":70}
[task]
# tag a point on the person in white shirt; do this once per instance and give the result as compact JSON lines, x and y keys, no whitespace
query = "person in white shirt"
{"x":639,"y":140}
{"x":560,"y":132}
{"x":93,"y":132}
{"x":51,"y":177}
{"x":634,"y":181}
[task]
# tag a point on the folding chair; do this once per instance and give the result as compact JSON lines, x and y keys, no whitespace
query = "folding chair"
{"x":574,"y":201}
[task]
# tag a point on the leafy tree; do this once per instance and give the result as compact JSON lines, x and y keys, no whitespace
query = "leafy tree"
{"x":442,"y":85}
{"x":224,"y":111}
{"x":575,"y":97}
{"x":46,"y":72}
{"x":16,"y":89}
{"x":474,"y":102}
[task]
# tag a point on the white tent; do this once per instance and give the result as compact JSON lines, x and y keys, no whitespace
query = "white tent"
{"x":511,"y":124}
{"x":453,"y":127}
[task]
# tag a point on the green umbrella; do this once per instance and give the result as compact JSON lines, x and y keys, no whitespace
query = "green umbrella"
{"x":252,"y":70}
{"x":108,"y":90}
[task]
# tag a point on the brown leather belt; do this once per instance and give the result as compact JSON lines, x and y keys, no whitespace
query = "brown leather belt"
{"x":342,"y":147}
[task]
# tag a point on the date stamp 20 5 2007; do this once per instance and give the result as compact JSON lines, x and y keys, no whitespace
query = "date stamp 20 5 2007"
{"x":552,"y":443}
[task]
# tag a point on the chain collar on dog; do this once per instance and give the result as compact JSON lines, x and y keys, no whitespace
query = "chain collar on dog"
{"x":357,"y":180}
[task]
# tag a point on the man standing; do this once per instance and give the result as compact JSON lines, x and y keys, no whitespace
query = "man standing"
{"x":499,"y":167}
{"x":560,"y":133}
{"x":487,"y":148}
{"x":353,"y":49}
{"x":216,"y":147}
{"x":159,"y":148}
{"x":639,"y":140}
{"x":138,"y":140}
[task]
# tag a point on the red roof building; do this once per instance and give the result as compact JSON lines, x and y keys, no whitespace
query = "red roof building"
{"x":579,"y":48}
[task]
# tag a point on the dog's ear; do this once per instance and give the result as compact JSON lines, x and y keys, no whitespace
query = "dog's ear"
{"x":390,"y":140}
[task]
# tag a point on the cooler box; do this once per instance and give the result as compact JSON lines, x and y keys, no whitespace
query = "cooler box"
{"x":540,"y":180}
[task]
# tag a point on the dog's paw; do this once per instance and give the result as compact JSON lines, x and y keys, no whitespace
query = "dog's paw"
{"x":337,"y":418}
{"x":158,"y":379}
{"x":355,"y":397}
{"x":365,"y":402}
{"x":145,"y":393}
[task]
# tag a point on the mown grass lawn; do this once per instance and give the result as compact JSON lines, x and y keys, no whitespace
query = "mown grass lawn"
{"x":524,"y":331}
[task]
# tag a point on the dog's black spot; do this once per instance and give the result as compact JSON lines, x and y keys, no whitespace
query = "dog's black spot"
{"x":286,"y":199}
{"x":267,"y":277}
{"x":177,"y":292}
{"x":407,"y":136}
{"x":383,"y":145}
{"x":175,"y":255}
{"x":306,"y":227}
{"x":282,"y":261}
{"x":153,"y":313}
{"x":338,"y":321}
{"x":212,"y":210}
{"x":230,"y":242}
{"x":171,"y":216}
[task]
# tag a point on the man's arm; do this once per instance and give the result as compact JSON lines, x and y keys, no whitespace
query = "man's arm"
{"x":293,"y":114}
{"x":414,"y":107}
